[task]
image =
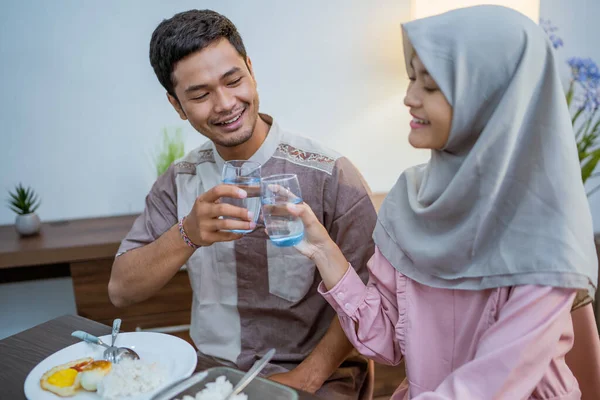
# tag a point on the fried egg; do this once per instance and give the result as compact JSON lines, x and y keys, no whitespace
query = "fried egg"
{"x":92,"y":374}
{"x":63,"y":379}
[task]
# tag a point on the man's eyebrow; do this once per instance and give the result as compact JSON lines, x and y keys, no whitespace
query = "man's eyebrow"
{"x":193,"y":88}
{"x":230,"y":72}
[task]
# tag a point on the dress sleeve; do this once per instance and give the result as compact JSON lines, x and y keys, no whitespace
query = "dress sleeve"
{"x":369,"y":314}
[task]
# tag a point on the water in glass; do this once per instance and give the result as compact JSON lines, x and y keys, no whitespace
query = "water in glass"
{"x":283,"y":228}
{"x":246,"y":176}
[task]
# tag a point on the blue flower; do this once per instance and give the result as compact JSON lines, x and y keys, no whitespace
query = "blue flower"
{"x":587,"y":97}
{"x":592,"y":95}
{"x":556,"y":41}
{"x":584,"y":71}
{"x":550,"y":29}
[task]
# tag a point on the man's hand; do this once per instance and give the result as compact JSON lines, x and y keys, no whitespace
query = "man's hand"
{"x":203,"y":225}
{"x":298,"y":379}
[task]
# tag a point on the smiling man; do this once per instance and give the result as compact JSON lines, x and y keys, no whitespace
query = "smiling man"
{"x":249,"y":295}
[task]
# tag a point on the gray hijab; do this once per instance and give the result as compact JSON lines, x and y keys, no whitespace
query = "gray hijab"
{"x":503,"y":203}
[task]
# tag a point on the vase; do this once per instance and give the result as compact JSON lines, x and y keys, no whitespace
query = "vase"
{"x":28,"y":224}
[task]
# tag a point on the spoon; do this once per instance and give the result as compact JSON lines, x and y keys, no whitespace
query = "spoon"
{"x":115,"y":331}
{"x":251,"y":374}
{"x":112,"y":354}
{"x":174,"y":389}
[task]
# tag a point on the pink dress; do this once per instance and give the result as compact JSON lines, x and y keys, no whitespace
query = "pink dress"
{"x":505,"y":343}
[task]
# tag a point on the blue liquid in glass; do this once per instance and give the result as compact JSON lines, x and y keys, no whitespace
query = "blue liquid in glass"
{"x":283,"y":229}
{"x":287,"y":241}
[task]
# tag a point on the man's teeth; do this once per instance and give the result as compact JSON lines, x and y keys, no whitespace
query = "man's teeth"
{"x":231,"y":120}
{"x":420,"y":121}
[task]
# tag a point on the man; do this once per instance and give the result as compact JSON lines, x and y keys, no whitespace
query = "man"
{"x":249,"y":295}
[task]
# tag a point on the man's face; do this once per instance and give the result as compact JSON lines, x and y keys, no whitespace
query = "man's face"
{"x":217,"y":94}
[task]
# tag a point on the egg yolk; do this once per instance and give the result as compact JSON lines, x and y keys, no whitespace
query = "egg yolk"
{"x":63,"y":378}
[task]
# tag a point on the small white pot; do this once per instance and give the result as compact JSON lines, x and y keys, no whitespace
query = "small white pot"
{"x":28,"y":224}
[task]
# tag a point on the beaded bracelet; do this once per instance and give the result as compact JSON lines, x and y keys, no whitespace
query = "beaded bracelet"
{"x":184,"y":235}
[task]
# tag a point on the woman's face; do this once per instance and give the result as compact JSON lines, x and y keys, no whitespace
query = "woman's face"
{"x":432,"y":114}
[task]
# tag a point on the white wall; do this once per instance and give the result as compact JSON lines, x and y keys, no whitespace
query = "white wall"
{"x":81,"y":110}
{"x":577,"y":21}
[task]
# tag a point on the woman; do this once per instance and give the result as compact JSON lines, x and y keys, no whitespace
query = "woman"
{"x":480,"y":252}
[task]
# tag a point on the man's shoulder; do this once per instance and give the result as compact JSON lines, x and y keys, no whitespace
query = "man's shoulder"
{"x":305,"y":151}
{"x":188,"y":163}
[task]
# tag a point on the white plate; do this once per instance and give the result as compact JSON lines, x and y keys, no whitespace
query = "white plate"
{"x":176,"y":356}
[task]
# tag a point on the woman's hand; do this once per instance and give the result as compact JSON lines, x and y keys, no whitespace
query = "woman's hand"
{"x":316,"y":238}
{"x":319,"y":247}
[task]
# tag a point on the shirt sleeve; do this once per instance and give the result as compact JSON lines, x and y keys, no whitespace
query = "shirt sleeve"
{"x":349,"y":215}
{"x":369,"y":314}
{"x":160,"y":214}
{"x":516,"y":351}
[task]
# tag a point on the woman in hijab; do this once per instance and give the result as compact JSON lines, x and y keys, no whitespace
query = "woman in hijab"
{"x":481,"y":251}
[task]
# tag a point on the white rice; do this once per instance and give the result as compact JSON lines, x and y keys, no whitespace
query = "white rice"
{"x":130,"y":378}
{"x":217,"y":390}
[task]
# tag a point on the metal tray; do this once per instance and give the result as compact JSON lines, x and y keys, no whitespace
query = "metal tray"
{"x":258,"y":389}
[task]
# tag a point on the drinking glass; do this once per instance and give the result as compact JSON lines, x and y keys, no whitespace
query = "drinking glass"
{"x":283,"y":228}
{"x":245,"y":175}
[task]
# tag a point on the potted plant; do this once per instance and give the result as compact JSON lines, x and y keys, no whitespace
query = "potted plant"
{"x":583,"y":100}
{"x":172,"y":149}
{"x":24,"y":202}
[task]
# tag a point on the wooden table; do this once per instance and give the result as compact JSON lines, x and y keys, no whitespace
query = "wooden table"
{"x":20,"y":353}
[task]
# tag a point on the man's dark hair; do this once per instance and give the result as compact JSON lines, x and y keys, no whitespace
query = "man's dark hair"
{"x":185,"y":33}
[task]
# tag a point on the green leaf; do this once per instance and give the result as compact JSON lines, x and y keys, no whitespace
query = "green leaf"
{"x":595,"y":128}
{"x":13,"y":196}
{"x":34,"y":207}
{"x":587,"y":140}
{"x":594,"y":190}
{"x":16,"y":204}
{"x":16,"y":210}
{"x":23,"y":200}
{"x":172,"y":149}
{"x":580,"y":130}
{"x":588,"y":167}
{"x":589,"y":121}
{"x":570,"y":94}
{"x":586,"y":126}
{"x":576,"y":116}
